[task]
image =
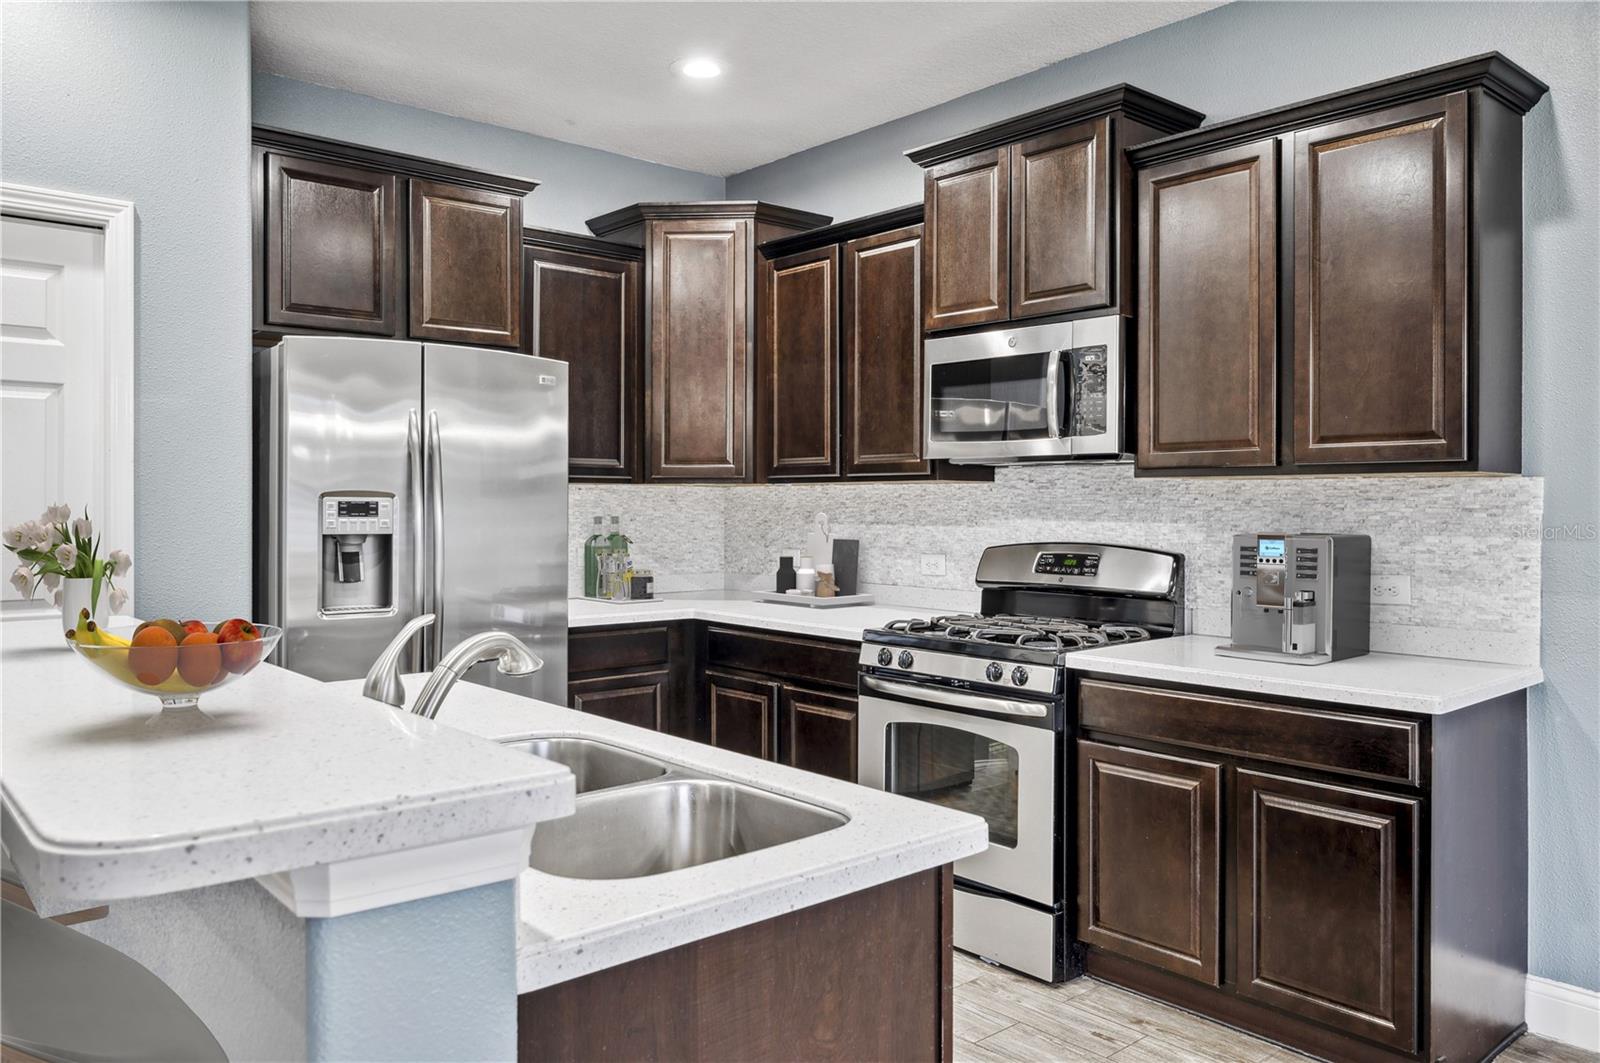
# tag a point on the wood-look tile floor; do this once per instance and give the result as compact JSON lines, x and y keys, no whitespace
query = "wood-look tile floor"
{"x":1001,"y":1016}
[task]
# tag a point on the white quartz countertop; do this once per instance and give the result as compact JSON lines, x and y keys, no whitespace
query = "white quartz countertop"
{"x":1427,"y":685}
{"x":106,"y":797}
{"x":571,"y":927}
{"x":834,"y":622}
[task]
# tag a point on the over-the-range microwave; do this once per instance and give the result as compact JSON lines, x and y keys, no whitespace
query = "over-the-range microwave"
{"x":1034,"y":392}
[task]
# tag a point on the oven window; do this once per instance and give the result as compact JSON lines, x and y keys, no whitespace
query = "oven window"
{"x":957,"y":769}
{"x":993,"y":398}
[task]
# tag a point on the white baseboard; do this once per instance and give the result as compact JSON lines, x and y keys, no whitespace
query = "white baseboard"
{"x":1564,"y":1012}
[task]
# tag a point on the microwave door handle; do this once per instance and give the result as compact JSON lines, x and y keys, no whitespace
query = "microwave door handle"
{"x":1052,"y":387}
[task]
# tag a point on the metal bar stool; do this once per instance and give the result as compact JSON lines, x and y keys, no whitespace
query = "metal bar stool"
{"x":67,"y":998}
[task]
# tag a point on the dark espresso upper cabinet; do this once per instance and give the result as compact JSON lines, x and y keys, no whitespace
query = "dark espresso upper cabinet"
{"x":1397,"y":282}
{"x":329,"y":255}
{"x":1031,"y":217}
{"x":466,"y":264}
{"x":966,"y":273}
{"x":1208,"y":310}
{"x":700,"y":329}
{"x":1061,"y":197}
{"x":582,"y":304}
{"x":840,"y":349}
{"x":358,"y":240}
{"x":1381,"y":283}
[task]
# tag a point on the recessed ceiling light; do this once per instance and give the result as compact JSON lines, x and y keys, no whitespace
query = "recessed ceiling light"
{"x":699,"y":68}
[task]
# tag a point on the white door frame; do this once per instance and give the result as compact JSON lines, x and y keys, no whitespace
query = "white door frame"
{"x":115,"y":218}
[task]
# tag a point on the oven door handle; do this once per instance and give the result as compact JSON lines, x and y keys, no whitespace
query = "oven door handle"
{"x":955,"y":698}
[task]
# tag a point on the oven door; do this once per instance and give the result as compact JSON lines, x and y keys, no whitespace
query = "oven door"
{"x":1045,"y":391}
{"x":1005,"y":772}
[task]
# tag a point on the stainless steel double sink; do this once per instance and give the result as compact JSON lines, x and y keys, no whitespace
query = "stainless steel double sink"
{"x":638,"y":816}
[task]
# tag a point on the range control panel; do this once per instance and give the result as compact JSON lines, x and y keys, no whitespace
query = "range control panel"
{"x":1064,"y":564}
{"x":357,"y":515}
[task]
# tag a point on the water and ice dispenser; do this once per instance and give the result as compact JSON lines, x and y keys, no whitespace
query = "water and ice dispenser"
{"x":357,"y":552}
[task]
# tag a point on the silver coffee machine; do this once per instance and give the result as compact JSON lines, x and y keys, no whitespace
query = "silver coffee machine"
{"x":1300,"y":599}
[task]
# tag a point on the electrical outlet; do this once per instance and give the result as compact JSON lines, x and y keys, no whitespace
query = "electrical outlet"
{"x":1391,"y":590}
{"x":933,"y":564}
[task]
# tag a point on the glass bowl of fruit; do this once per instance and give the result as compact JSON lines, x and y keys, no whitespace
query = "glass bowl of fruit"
{"x":177,"y":661}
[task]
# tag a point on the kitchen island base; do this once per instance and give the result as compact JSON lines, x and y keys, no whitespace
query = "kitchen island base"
{"x":864,"y":976}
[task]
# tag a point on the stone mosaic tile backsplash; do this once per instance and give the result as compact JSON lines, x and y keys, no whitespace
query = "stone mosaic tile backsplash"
{"x":1470,"y":544}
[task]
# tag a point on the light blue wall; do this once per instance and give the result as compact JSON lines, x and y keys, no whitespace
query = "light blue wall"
{"x":434,"y":979}
{"x":151,"y":103}
{"x":576,"y":183}
{"x":1249,"y":57}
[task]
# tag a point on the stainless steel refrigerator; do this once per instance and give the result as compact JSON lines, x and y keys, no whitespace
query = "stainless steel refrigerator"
{"x":397,"y":478}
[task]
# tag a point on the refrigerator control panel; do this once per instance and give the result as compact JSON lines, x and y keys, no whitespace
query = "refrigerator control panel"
{"x":357,"y":515}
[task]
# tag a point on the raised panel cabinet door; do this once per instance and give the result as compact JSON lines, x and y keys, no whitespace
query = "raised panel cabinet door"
{"x":798,"y":349}
{"x":1380,"y":286}
{"x":882,"y":354}
{"x":743,"y":714}
{"x":330,"y":246}
{"x":1150,"y":858}
{"x":966,"y":274}
{"x":699,"y":348}
{"x":585,"y":311}
{"x":466,"y":265}
{"x":1061,"y":220}
{"x":1327,"y":896}
{"x":819,"y":732}
{"x":1208,"y":305}
{"x":638,"y":698}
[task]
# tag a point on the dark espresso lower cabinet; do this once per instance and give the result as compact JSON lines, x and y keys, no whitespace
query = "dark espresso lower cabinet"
{"x":818,"y":732}
{"x":639,"y":698}
{"x":1346,"y":881}
{"x":743,"y":712}
{"x":635,"y":674}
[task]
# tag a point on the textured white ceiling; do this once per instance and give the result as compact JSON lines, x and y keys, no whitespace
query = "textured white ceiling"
{"x":798,"y":74}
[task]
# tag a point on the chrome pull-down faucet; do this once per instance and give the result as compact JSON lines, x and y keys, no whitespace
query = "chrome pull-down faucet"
{"x":383,"y":678}
{"x":512,"y":656}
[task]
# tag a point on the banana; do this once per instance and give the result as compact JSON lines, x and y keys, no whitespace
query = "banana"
{"x":106,"y":638}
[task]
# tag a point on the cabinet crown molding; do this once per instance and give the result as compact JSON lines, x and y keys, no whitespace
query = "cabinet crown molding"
{"x":841,"y":231}
{"x":1130,"y":101}
{"x":324,"y":149}
{"x":580,"y":244}
{"x":1491,"y":72}
{"x":755,"y":210}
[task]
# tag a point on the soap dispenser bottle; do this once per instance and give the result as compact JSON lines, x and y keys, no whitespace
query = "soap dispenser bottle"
{"x":591,"y":560}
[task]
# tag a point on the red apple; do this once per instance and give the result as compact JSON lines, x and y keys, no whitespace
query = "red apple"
{"x":235,"y":635}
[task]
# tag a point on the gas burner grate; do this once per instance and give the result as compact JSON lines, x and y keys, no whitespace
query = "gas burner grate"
{"x":1053,"y":633}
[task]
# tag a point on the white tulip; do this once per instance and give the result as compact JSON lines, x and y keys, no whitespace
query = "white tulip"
{"x":22,"y":580}
{"x":13,"y":538}
{"x":59,"y":513}
{"x":82,"y":529}
{"x":51,"y":580}
{"x":53,"y":536}
{"x":66,"y":555}
{"x":120,"y":562}
{"x":37,"y":535}
{"x":119,"y":598}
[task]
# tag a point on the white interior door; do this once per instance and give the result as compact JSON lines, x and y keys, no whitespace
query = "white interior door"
{"x":52,"y":378}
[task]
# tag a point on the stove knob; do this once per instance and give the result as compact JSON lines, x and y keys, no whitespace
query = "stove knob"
{"x":885,"y":657}
{"x":995,"y":672}
{"x":1019,"y":676}
{"x":906,"y":658}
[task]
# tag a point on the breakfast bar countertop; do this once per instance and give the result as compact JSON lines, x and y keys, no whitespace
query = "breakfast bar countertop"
{"x":105,"y":797}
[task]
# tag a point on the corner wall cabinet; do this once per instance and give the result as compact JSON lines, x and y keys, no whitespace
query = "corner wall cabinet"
{"x":839,"y":354}
{"x":357,"y":240}
{"x":699,"y":331}
{"x":1345,"y":881}
{"x":583,"y":304}
{"x":1032,"y":216}
{"x":1336,"y":285}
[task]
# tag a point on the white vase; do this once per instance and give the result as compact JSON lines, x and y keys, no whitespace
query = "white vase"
{"x":75,"y":594}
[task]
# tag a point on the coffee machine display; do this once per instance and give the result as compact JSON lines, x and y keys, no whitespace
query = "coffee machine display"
{"x":357,"y":551}
{"x":1300,"y":599}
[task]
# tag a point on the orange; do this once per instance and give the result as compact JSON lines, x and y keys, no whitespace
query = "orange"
{"x":200,"y":659}
{"x":153,"y":655}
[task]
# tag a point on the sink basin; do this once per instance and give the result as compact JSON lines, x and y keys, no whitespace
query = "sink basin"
{"x":665,"y":826}
{"x":595,"y":765}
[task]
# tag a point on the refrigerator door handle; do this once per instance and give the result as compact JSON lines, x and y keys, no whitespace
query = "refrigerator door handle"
{"x":416,"y":653}
{"x":436,"y":531}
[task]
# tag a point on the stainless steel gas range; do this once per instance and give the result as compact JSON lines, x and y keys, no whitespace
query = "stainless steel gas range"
{"x":976,"y":712}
